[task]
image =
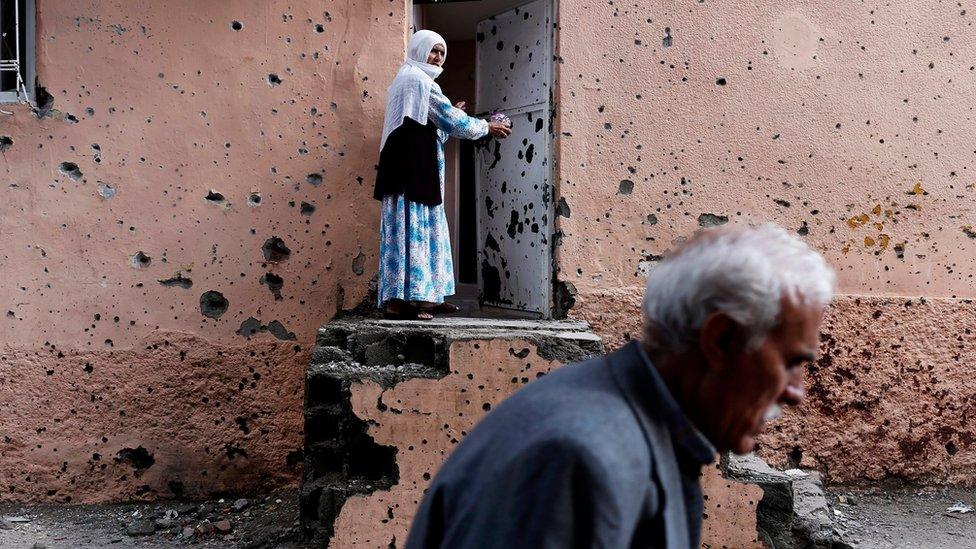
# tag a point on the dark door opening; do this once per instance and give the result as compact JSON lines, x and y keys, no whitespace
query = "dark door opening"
{"x":502,"y":259}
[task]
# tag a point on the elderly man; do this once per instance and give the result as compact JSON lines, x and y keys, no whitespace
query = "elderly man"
{"x":608,"y":453}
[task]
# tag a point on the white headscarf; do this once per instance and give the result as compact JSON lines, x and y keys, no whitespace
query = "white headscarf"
{"x":409,"y":94}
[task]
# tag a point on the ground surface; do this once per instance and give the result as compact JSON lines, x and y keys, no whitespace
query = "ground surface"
{"x":906,"y":518}
{"x":269,"y":522}
{"x":873,"y":519}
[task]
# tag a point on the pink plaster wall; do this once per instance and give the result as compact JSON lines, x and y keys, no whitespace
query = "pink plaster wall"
{"x":162,"y":102}
{"x":848,"y":123}
{"x":425,"y":418}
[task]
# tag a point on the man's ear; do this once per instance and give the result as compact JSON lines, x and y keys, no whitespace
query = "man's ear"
{"x":721,"y":339}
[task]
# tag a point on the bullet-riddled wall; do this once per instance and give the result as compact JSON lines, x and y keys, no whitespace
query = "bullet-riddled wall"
{"x":849,"y":124}
{"x":193,"y":204}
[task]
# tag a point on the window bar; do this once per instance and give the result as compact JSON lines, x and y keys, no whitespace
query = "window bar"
{"x":8,"y":65}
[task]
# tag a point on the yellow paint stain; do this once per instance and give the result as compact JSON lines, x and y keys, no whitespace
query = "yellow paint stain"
{"x":883,"y":241}
{"x":917,"y":189}
{"x":868,"y":242}
{"x":857,"y":221}
{"x":879,"y":226}
{"x":846,"y":249}
{"x":876,"y":210}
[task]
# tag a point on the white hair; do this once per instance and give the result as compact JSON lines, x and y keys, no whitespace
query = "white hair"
{"x":743,"y":271}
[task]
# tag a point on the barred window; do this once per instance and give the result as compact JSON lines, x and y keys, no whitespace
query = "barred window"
{"x":16,"y":50}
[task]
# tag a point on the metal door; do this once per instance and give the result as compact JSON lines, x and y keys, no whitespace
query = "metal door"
{"x":514,"y":56}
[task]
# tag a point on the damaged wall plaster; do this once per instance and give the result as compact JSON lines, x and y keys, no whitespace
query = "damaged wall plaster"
{"x":136,"y":313}
{"x":829,"y":119}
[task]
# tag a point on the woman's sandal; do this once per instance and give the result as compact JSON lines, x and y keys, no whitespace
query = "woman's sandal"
{"x":407,"y":312}
{"x":443,"y":308}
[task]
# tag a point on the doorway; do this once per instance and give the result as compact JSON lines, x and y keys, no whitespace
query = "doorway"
{"x":498,"y":192}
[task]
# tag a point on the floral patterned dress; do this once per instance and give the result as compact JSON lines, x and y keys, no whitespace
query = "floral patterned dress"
{"x":415,"y":245}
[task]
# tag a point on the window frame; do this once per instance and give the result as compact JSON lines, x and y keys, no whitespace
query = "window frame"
{"x":28,"y":57}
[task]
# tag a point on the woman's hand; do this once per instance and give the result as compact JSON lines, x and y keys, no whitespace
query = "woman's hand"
{"x":499,"y":129}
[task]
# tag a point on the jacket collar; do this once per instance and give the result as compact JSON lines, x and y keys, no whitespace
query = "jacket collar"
{"x":650,"y":397}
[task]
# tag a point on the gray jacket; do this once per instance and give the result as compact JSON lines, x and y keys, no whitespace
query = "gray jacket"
{"x":595,"y":454}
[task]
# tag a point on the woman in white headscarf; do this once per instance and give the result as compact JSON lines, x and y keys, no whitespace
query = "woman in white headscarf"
{"x":416,"y":270}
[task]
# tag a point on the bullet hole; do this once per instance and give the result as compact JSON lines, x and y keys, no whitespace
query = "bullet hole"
{"x":529,"y":153}
{"x":72,"y":119}
{"x":564,"y":299}
{"x":492,"y":282}
{"x":626,"y":187}
{"x":45,"y":101}
{"x":500,"y":45}
{"x":242,"y":424}
{"x":233,"y":451}
{"x":253,"y":326}
{"x":278,"y":330}
{"x":951,"y":448}
{"x":314,"y":178}
{"x":357,"y":263}
{"x":720,"y":81}
{"x":795,"y":457}
{"x":178,"y":281}
{"x":562,"y":208}
{"x":213,"y":304}
{"x":804,"y":229}
{"x":648,"y":263}
{"x":137,"y":458}
{"x":254,"y":199}
{"x":237,"y":25}
{"x":88,"y":368}
{"x":215,"y":197}
{"x":176,"y":487}
{"x":666,"y":41}
{"x":651,"y":219}
{"x":711,"y":220}
{"x":71,"y":170}
{"x":781,"y":202}
{"x":294,"y":458}
{"x":513,"y":223}
{"x":492,"y":244}
{"x":538,"y":125}
{"x":275,"y":283}
{"x":140,"y":260}
{"x":496,"y":155}
{"x":319,"y":27}
{"x":307,"y":209}
{"x":89,"y":111}
{"x":106,"y":191}
{"x":250,"y":327}
{"x":5,"y":143}
{"x":899,"y":251}
{"x":274,"y":249}
{"x":273,"y":80}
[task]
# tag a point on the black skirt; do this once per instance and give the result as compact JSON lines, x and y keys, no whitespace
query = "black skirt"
{"x":408,"y":164}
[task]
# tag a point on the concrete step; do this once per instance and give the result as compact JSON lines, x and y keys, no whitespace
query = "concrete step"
{"x":341,"y":458}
